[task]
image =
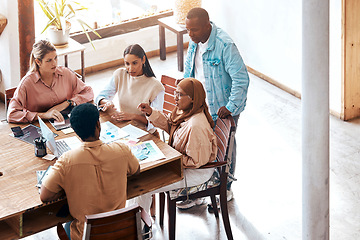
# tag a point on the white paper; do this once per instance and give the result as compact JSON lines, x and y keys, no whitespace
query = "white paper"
{"x":110,"y":132}
{"x":133,"y":131}
{"x":67,"y":130}
{"x":49,"y":157}
{"x":147,"y":151}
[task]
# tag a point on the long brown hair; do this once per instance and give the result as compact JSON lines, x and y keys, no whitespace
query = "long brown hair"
{"x":138,"y":51}
{"x":39,"y":50}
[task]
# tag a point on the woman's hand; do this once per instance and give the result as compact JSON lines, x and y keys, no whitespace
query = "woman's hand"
{"x":106,"y":105}
{"x":52,"y":114}
{"x":122,"y":116}
{"x":145,"y":108}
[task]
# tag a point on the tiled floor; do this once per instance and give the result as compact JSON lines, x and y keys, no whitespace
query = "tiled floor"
{"x":267,"y":196}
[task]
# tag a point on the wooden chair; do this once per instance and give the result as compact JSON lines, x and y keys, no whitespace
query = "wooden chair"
{"x":169,"y":84}
{"x":225,"y":134}
{"x":9,"y":93}
{"x":123,"y":223}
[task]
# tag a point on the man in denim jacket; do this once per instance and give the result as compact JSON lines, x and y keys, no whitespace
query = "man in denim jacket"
{"x":214,"y":59}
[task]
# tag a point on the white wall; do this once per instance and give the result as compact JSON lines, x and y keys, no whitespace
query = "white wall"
{"x":107,"y":50}
{"x":9,"y":46}
{"x":268,"y":35}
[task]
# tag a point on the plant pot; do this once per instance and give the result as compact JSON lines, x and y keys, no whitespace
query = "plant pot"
{"x":58,"y":36}
{"x":182,"y":7}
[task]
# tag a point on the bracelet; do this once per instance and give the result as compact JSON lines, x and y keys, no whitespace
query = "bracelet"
{"x":71,"y":103}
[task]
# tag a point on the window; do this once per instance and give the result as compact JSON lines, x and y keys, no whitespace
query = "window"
{"x":108,"y":12}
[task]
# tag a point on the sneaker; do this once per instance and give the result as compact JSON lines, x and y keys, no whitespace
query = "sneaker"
{"x":190,"y":203}
{"x":229,"y":197}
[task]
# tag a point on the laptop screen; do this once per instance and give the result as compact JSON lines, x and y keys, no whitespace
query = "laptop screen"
{"x":49,"y":136}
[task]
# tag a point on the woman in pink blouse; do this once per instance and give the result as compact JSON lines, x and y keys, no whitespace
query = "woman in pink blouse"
{"x":47,"y":88}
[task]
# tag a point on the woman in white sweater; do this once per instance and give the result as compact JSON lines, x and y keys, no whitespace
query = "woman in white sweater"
{"x":134,"y":84}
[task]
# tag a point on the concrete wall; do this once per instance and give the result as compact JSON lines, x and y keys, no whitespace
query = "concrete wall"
{"x":268,"y":35}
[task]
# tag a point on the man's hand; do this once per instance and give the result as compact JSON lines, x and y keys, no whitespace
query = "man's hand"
{"x":223,"y":112}
{"x":46,"y":195}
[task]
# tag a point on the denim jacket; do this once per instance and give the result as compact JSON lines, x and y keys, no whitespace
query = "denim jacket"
{"x":226,"y":76}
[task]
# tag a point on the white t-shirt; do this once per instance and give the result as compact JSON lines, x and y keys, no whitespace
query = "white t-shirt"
{"x":199,"y":69}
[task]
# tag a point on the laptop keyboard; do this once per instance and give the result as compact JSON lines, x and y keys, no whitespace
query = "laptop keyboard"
{"x":62,"y":147}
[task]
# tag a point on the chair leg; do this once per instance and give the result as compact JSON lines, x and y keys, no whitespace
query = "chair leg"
{"x":214,"y":204}
{"x":172,"y":217}
{"x":162,"y":208}
{"x":153,"y":206}
{"x":225,"y":214}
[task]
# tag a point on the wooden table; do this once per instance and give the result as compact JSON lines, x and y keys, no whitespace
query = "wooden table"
{"x":21,"y":211}
{"x":72,"y":47}
{"x":170,"y":23}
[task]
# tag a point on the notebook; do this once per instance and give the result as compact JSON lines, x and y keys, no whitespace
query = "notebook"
{"x":61,"y":125}
{"x":58,"y":147}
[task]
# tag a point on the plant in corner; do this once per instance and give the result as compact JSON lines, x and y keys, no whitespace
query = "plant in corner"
{"x":59,"y":12}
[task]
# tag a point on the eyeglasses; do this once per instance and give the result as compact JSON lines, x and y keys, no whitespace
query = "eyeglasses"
{"x":179,"y":94}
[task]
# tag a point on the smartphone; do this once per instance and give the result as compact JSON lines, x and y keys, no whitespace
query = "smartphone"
{"x":17,"y":131}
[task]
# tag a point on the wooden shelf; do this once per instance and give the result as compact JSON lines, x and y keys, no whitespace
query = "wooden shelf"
{"x":3,"y":22}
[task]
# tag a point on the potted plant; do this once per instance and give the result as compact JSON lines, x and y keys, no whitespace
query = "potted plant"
{"x":59,"y":12}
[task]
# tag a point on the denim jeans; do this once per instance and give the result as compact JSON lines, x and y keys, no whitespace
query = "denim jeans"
{"x":67,"y":229}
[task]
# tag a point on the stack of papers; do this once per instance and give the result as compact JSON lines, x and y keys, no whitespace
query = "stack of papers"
{"x":144,"y":151}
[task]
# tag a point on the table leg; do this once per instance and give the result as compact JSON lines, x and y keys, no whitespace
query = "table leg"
{"x":66,"y":60}
{"x":162,"y":42}
{"x":180,"y":52}
{"x":82,"y":66}
{"x":16,"y":223}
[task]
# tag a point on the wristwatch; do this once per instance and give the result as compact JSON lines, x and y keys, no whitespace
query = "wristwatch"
{"x":71,"y":103}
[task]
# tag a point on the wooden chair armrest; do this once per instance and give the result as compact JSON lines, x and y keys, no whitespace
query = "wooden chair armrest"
{"x":213,"y":165}
{"x":61,"y":232}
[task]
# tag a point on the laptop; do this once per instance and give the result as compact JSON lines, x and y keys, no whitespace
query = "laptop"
{"x":57,"y":147}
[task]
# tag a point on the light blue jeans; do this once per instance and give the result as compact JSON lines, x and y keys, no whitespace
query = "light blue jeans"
{"x":67,"y":229}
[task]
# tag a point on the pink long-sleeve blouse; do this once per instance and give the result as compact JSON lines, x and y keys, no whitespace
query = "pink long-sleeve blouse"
{"x":33,"y":95}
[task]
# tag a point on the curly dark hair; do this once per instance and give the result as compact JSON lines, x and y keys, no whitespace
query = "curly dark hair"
{"x":83,"y":119}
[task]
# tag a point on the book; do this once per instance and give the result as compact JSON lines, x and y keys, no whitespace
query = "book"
{"x":30,"y":133}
